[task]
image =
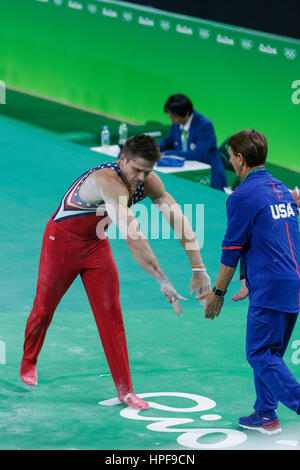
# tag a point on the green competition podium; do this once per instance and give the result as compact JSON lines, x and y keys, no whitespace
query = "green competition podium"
{"x":174,"y":360}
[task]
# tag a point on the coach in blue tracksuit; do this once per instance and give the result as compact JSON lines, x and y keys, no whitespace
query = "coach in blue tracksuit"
{"x":263,"y":230}
{"x":192,"y":136}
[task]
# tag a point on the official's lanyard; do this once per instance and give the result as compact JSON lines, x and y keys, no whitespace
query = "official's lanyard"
{"x":252,"y":170}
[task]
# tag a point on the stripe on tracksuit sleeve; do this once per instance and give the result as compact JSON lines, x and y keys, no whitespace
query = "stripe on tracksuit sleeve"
{"x":239,"y":222}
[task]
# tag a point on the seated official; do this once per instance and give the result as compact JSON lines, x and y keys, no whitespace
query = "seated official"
{"x":296,"y":194}
{"x":192,"y":136}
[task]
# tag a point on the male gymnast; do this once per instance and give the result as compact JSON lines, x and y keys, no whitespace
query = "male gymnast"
{"x":75,"y":242}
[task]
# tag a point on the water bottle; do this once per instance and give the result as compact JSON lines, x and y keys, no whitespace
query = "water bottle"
{"x":105,"y":138}
{"x":123,"y":132}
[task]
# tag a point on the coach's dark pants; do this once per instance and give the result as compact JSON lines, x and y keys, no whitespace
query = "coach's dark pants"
{"x":268,"y":334}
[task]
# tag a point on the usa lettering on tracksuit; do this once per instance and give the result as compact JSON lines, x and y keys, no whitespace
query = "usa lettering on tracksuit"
{"x":263,"y":232}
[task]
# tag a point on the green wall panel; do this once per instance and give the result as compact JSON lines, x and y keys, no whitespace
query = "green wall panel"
{"x":124,"y":60}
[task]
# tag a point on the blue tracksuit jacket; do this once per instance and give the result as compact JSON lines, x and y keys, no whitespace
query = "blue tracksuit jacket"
{"x":263,"y":229}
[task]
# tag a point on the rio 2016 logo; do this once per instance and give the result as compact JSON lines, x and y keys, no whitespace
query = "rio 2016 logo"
{"x":188,"y":437}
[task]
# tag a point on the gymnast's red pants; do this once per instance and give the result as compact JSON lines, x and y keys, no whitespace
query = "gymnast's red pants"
{"x":65,"y":255}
